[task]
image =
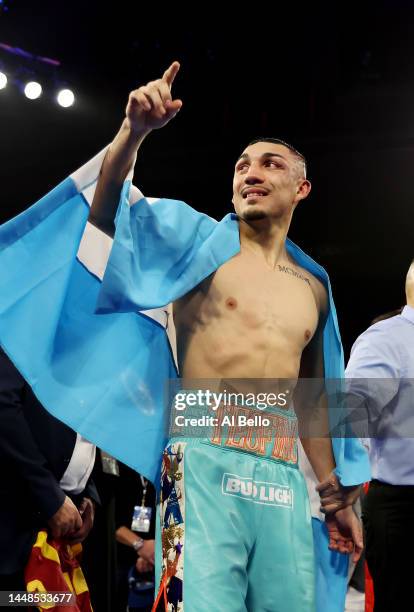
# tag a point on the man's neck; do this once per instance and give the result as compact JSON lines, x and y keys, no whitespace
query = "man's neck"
{"x":265,"y":239}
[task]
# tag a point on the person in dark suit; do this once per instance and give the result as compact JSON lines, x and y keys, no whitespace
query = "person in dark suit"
{"x":45,"y":479}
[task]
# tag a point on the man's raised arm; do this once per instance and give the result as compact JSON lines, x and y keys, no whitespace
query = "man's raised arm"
{"x":149,"y":108}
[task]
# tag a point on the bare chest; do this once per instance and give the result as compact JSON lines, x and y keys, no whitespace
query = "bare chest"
{"x":246,"y":296}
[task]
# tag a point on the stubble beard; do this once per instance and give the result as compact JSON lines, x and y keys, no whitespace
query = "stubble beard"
{"x":254,"y":214}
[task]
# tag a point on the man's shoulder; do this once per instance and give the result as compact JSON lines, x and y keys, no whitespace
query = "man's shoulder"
{"x":319,"y":290}
{"x":384,"y":327}
{"x":382,"y":335}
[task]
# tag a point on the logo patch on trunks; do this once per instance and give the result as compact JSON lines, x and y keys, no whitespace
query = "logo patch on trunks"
{"x":258,"y":492}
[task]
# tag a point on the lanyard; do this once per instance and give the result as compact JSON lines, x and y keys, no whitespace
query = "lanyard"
{"x":144,"y":483}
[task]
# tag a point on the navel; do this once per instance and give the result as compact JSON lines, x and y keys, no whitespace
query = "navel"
{"x":231,"y":303}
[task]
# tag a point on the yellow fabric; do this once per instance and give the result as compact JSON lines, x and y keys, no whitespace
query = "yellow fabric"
{"x":68,"y":581}
{"x":37,"y":586}
{"x":76,"y":549}
{"x":78,"y":581}
{"x":47,"y":551}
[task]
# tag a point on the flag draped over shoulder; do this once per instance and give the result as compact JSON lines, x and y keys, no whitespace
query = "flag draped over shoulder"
{"x":84,"y":320}
{"x":100,"y":374}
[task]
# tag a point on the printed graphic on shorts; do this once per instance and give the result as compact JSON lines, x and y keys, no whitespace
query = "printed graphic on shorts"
{"x":172,"y":514}
{"x":278,"y":440}
{"x":258,"y":492}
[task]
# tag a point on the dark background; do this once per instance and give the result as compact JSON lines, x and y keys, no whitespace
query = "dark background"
{"x":336,"y":80}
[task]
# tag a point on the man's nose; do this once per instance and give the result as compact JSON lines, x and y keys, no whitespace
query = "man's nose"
{"x":254,"y":175}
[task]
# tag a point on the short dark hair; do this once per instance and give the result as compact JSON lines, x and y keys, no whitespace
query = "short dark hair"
{"x":285,"y":144}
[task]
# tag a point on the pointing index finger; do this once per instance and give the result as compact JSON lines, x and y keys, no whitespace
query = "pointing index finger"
{"x":170,"y":74}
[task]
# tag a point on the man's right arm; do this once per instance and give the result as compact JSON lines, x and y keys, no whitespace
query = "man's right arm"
{"x":150,"y":107}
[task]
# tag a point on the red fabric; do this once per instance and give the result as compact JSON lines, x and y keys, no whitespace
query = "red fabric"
{"x":369,"y":591}
{"x":369,"y":584}
{"x":50,"y":571}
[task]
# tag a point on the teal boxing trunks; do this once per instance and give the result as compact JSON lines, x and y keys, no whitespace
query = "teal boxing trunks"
{"x":236,"y":531}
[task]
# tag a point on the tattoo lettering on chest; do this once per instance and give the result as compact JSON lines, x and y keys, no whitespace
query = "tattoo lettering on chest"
{"x":293,"y":272}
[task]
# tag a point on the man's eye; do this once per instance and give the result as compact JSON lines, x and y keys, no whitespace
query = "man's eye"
{"x":274,"y":164}
{"x":242,"y":167}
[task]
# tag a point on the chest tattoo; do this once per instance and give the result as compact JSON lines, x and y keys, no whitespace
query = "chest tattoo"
{"x":293,"y":272}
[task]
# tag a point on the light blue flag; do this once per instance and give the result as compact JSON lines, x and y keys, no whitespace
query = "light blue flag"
{"x":96,"y":353}
{"x":100,"y":374}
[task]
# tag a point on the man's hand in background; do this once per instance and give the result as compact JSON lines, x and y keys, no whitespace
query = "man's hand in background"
{"x":66,"y":520}
{"x":87,"y":512}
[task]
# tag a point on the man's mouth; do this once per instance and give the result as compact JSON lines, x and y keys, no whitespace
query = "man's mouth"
{"x":254,"y":193}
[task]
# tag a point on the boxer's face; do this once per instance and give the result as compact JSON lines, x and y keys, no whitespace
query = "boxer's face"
{"x":268,"y":182}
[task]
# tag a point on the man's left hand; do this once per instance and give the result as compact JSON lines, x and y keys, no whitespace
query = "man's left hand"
{"x":345,"y":532}
{"x":143,"y":566}
{"x":87,"y":512}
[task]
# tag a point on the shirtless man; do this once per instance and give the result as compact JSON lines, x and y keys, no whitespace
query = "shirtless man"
{"x":259,"y":316}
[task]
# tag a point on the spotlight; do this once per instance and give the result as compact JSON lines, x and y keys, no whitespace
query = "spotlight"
{"x":3,"y":80}
{"x":65,"y":98}
{"x":33,"y":90}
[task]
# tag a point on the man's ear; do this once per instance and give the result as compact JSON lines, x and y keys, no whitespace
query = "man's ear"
{"x":303,"y":190}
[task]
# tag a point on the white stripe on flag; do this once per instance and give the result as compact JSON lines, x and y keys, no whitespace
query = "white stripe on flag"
{"x":85,"y":178}
{"x":95,"y":245}
{"x":94,"y":252}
